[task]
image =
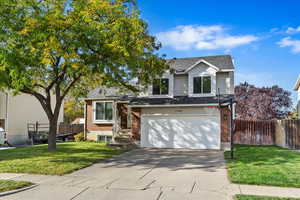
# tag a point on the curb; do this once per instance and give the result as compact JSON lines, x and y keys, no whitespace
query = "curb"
{"x":17,"y":190}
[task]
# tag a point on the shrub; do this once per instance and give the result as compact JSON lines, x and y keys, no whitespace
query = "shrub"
{"x":79,"y":137}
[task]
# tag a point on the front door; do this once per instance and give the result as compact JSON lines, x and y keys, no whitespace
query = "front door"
{"x":123,"y":113}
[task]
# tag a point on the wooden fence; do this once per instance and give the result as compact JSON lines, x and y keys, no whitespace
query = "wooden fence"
{"x":65,"y":128}
{"x":292,"y":133}
{"x":38,"y":132}
{"x":254,"y":132}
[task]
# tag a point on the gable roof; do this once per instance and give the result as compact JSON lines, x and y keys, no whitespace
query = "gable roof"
{"x":108,"y":92}
{"x":223,"y":62}
{"x":297,"y":85}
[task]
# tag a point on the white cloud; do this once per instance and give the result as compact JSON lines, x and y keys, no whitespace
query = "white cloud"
{"x":288,"y":42}
{"x":291,"y":30}
{"x":203,"y":38}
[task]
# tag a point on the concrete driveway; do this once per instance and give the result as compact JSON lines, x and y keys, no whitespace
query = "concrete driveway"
{"x":148,"y":174}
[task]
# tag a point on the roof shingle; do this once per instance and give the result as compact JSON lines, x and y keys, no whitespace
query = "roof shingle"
{"x":222,"y":62}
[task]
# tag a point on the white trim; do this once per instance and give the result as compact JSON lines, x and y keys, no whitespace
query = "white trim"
{"x":213,"y":84}
{"x":174,"y":105}
{"x":101,"y":99}
{"x":202,"y":61}
{"x":297,"y":85}
{"x":168,"y":76}
{"x":95,"y":121}
{"x":177,"y":114}
{"x":226,"y":70}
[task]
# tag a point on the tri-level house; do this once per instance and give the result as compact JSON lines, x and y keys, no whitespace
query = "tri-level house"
{"x":181,"y":109}
{"x":297,"y":88}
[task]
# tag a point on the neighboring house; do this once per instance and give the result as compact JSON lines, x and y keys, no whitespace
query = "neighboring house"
{"x":16,"y":112}
{"x":297,"y":88}
{"x":179,"y":110}
{"x":78,"y":121}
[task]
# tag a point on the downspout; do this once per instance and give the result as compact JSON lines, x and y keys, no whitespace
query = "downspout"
{"x":6,"y":111}
{"x":85,"y":121}
{"x":115,"y":119}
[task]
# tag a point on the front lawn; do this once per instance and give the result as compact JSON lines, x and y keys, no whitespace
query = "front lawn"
{"x":7,"y":185}
{"x":252,"y":197}
{"x":264,"y":165}
{"x":69,"y":157}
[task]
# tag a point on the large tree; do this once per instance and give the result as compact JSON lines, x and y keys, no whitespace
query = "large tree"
{"x":56,"y":47}
{"x":262,"y":103}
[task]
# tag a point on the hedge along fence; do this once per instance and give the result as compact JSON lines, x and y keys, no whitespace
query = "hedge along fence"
{"x":284,"y":133}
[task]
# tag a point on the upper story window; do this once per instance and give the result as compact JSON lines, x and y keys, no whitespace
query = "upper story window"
{"x":103,"y":111}
{"x":160,"y":86}
{"x":202,"y":85}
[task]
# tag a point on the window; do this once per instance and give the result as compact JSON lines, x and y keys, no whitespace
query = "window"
{"x":103,"y":111}
{"x":160,"y":86}
{"x":104,"y":138}
{"x":202,"y":85}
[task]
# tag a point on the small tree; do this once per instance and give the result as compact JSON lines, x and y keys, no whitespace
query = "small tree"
{"x":54,"y":47}
{"x":262,"y":103}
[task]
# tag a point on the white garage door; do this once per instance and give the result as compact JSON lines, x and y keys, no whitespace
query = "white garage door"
{"x":181,"y":131}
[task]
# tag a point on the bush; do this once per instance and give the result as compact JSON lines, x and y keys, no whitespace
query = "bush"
{"x":79,"y":137}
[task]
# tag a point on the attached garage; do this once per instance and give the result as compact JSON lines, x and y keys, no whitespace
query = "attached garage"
{"x":192,"y":128}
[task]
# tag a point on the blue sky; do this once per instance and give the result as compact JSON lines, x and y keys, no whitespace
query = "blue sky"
{"x":263,"y":36}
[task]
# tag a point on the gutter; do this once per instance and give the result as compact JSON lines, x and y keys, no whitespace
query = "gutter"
{"x":6,"y":111}
{"x":297,"y":85}
{"x":173,"y":105}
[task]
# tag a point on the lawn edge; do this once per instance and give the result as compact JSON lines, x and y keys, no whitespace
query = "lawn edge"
{"x":2,"y":194}
{"x":251,"y":184}
{"x":235,"y":197}
{"x":74,"y":170}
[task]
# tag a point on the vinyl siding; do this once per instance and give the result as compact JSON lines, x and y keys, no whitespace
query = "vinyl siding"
{"x":225,"y":82}
{"x":202,"y":69}
{"x":181,"y":85}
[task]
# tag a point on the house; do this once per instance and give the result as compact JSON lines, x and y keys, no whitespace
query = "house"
{"x":181,"y":109}
{"x":78,"y":120}
{"x":297,"y":88}
{"x":16,"y":112}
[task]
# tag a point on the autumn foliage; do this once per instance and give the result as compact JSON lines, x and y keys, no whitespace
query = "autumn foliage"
{"x":254,"y":103}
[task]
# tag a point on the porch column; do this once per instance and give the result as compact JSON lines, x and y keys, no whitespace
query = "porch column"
{"x":115,"y":118}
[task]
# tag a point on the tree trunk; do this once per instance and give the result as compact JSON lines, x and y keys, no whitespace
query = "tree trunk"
{"x":52,"y":134}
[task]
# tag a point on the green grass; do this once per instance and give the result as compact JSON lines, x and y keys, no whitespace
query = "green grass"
{"x":264,"y":165}
{"x":67,"y":158}
{"x":7,"y":185}
{"x":253,"y":197}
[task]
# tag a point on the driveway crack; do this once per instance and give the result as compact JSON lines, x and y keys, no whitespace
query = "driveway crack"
{"x":194,"y":184}
{"x":148,"y":172}
{"x":82,"y":191}
{"x":148,"y":185}
{"x":159,"y":195}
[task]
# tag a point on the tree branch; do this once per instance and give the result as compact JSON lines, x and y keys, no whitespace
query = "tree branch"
{"x":70,"y":86}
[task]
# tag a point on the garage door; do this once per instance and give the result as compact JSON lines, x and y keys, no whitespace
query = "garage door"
{"x":181,"y":131}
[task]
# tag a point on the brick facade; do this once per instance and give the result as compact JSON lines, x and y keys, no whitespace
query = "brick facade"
{"x":90,"y":126}
{"x":225,"y":124}
{"x":136,"y":123}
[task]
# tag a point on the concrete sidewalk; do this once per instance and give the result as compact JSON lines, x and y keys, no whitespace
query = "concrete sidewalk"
{"x":146,"y":174}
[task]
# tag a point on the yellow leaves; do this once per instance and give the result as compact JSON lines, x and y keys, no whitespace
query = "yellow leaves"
{"x":30,"y":25}
{"x":31,"y":22}
{"x":24,"y":31}
{"x":46,"y":61}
